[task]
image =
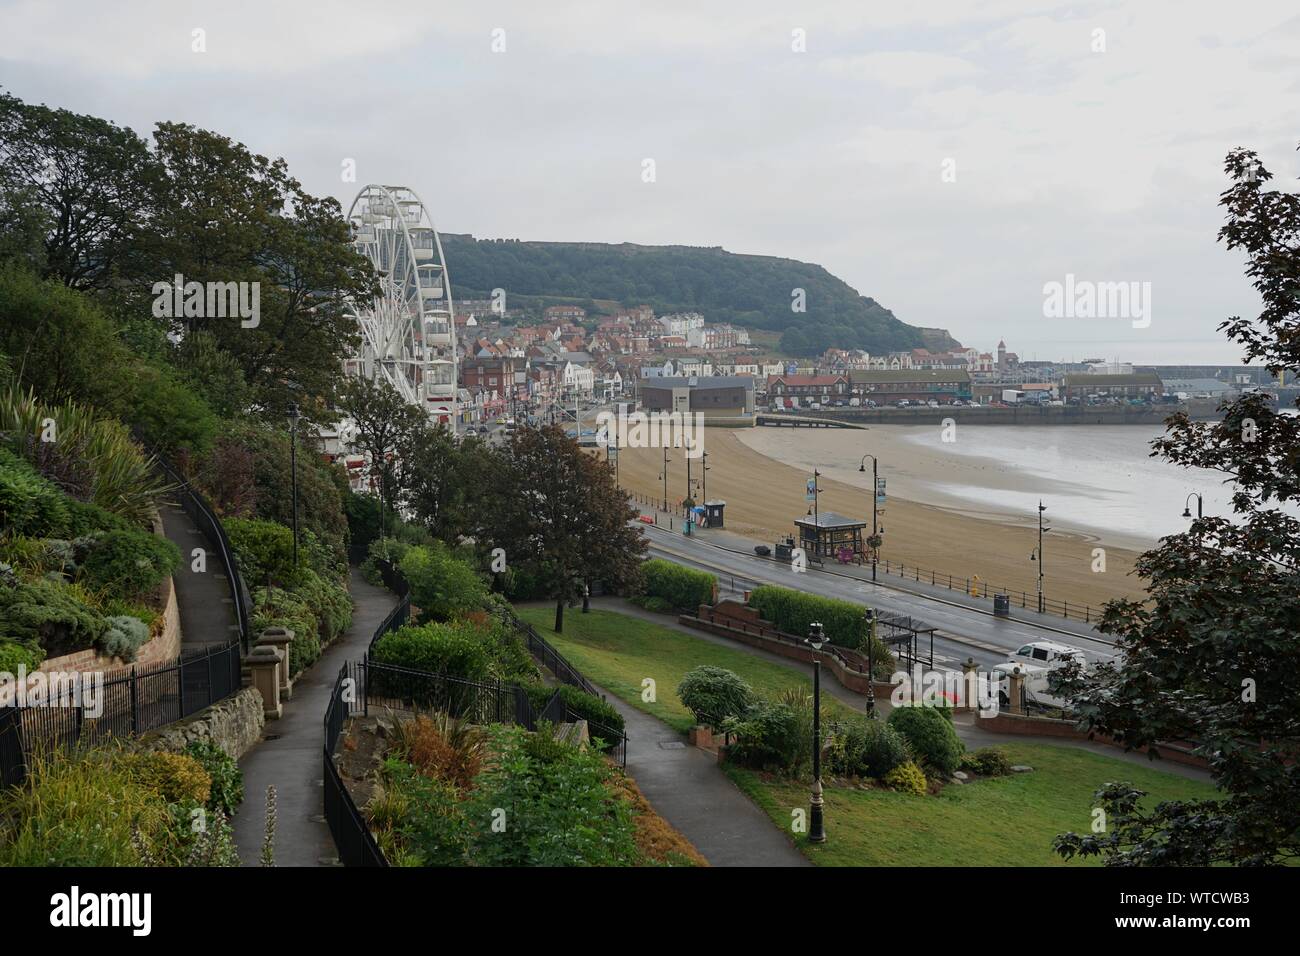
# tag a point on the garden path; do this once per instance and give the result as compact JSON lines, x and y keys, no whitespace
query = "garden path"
{"x":290,"y":753}
{"x":203,"y":599}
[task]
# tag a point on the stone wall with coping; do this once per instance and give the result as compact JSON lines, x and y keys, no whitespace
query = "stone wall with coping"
{"x":234,"y":724}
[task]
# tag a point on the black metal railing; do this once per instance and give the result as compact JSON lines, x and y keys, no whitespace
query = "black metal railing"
{"x":116,"y":704}
{"x":209,"y":525}
{"x":546,"y":654}
{"x":356,"y":845}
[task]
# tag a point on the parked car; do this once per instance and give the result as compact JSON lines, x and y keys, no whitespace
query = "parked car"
{"x":762,"y":550}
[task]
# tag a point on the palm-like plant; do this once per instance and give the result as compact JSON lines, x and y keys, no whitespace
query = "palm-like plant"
{"x":91,"y":458}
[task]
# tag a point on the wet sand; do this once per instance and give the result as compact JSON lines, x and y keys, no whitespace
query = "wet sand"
{"x":761,"y":473}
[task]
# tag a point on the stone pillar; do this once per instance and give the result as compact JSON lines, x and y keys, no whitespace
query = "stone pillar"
{"x":970,"y":683}
{"x":1015,"y":686}
{"x":280,"y":638}
{"x":264,"y":663}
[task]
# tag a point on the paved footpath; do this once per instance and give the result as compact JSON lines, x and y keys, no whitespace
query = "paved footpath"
{"x":291,"y":752}
{"x":203,"y":600}
{"x":687,"y":788}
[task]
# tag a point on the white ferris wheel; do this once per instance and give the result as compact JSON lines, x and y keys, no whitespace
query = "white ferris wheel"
{"x":408,"y":332}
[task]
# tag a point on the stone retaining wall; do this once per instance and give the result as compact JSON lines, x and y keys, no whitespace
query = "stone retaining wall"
{"x":234,"y":724}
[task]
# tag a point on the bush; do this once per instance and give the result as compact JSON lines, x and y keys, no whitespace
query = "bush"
{"x":598,"y":713}
{"x":123,"y":637}
{"x":442,"y":586}
{"x":177,"y":778}
{"x":843,"y":622}
{"x":712,"y":694}
{"x":679,"y":586}
{"x":907,"y":778}
{"x":418,"y":820}
{"x":227,"y":790}
{"x":987,"y":762}
{"x":129,"y":564}
{"x":30,"y":505}
{"x":867,"y":748}
{"x":565,"y":811}
{"x":275,"y":607}
{"x":49,"y":614}
{"x":456,"y":649}
{"x":930,"y":735}
{"x":263,"y":550}
{"x":81,"y":810}
{"x":774,"y":735}
{"x":14,"y":655}
{"x":656,"y":605}
{"x":331,"y":603}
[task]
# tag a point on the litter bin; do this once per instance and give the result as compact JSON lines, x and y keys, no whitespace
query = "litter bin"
{"x":1001,"y":605}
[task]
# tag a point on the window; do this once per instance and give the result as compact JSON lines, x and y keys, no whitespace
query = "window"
{"x":1040,"y":653}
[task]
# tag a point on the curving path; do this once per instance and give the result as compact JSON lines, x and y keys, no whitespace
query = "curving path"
{"x":289,"y":754}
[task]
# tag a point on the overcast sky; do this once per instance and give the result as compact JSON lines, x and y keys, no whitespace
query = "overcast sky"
{"x":1069,"y":159}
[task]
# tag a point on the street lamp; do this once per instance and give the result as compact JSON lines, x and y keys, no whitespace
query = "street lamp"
{"x":816,"y":825}
{"x":1037,"y":553}
{"x":871,"y":663}
{"x":817,"y":524}
{"x":875,"y":495}
{"x":664,"y":476}
{"x":1200,"y":506}
{"x":294,"y":415}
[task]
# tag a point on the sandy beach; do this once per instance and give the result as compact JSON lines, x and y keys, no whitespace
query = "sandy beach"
{"x":761,"y":473}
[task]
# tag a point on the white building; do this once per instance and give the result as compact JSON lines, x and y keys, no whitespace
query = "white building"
{"x":681,"y":323}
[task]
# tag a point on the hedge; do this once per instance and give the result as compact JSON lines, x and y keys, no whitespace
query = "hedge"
{"x":843,"y":622}
{"x":681,"y":587}
{"x":591,"y":709}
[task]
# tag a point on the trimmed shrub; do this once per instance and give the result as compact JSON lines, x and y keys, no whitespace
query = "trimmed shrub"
{"x":987,"y":762}
{"x":867,"y":748}
{"x":843,"y":622}
{"x":227,"y":790}
{"x":679,"y":586}
{"x":123,"y":637}
{"x":930,"y":735}
{"x":128,"y":563}
{"x":442,"y":586}
{"x":713,"y":694}
{"x":907,"y":778}
{"x":454,"y":648}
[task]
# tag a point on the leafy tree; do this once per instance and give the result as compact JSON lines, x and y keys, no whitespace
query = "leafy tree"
{"x":225,"y":214}
{"x":559,"y":511}
{"x":84,"y":182}
{"x":1211,"y":655}
{"x":384,"y":423}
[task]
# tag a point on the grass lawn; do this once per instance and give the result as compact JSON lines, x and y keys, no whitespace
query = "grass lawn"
{"x":618,"y":652}
{"x":1004,"y":821}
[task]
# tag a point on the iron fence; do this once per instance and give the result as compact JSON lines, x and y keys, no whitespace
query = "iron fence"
{"x":974,"y":587}
{"x":356,"y":845}
{"x":117,"y":704}
{"x":209,"y":525}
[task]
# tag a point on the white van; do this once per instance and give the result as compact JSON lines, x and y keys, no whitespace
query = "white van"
{"x":1046,"y":654}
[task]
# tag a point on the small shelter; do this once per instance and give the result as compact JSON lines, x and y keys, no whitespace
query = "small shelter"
{"x":831,"y":535}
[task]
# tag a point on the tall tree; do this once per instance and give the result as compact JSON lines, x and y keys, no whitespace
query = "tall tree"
{"x":384,"y":423}
{"x":91,"y":180}
{"x":563,"y":516}
{"x":1212,"y":655}
{"x":225,"y":214}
